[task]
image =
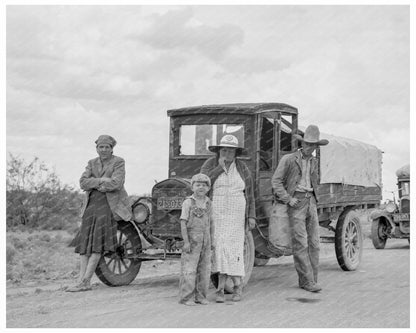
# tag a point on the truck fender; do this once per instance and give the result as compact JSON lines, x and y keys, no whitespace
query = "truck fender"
{"x":145,"y":243}
{"x":376,"y":214}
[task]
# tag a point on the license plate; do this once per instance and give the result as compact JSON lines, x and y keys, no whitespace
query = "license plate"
{"x":401,"y":217}
{"x":169,"y":203}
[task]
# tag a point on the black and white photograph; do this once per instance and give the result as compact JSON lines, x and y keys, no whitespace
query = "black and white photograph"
{"x":208,"y":165}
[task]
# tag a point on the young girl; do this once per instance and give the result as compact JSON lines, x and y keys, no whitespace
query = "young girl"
{"x":196,"y":231}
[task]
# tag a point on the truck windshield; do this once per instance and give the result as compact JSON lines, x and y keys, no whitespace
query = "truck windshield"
{"x":404,"y":189}
{"x":195,"y":139}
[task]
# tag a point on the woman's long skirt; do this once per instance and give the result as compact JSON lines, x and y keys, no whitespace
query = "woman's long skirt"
{"x":98,"y":233}
{"x":228,"y":216}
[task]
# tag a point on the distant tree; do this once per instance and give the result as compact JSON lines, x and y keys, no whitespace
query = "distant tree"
{"x":36,"y":197}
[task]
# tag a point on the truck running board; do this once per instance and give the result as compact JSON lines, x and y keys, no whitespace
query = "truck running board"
{"x":327,"y":239}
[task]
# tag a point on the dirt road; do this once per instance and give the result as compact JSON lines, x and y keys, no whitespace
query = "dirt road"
{"x":376,"y":295}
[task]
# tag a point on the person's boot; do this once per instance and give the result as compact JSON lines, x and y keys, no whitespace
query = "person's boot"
{"x":237,"y":293}
{"x":312,"y":287}
{"x":220,"y":297}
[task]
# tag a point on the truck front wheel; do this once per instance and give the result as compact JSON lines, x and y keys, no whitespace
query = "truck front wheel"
{"x":119,"y":268}
{"x":378,"y":233}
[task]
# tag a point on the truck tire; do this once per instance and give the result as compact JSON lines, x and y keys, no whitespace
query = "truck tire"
{"x":348,"y":240}
{"x":249,"y":254}
{"x":116,"y":269}
{"x":377,"y":234}
{"x":249,"y":251}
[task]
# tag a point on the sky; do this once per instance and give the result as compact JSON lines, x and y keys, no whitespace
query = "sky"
{"x":75,"y":72}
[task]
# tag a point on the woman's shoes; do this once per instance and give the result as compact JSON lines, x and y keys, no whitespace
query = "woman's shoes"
{"x":82,"y":286}
{"x":220,"y":296}
{"x":237,"y":291}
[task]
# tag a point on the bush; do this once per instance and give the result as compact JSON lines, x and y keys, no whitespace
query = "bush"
{"x":10,"y":254}
{"x":37,"y":199}
{"x":42,"y":255}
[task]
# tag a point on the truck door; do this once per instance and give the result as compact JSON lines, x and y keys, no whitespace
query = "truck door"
{"x":276,"y":139}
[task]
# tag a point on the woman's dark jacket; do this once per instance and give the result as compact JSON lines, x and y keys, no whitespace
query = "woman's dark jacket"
{"x":212,"y":169}
{"x":117,"y":197}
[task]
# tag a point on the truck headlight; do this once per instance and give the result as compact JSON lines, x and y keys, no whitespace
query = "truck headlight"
{"x":391,"y":207}
{"x":140,"y":212}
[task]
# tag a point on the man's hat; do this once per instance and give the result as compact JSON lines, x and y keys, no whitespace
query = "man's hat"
{"x":229,"y":141}
{"x":312,"y":136}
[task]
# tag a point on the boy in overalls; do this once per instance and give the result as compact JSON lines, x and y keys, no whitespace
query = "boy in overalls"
{"x":196,"y":229}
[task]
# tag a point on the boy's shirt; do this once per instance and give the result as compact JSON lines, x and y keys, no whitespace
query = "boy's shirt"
{"x":187,"y":205}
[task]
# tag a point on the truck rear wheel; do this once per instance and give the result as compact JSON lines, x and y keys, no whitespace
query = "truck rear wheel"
{"x":117,"y":269}
{"x":348,"y":240}
{"x":249,"y":250}
{"x":378,"y":234}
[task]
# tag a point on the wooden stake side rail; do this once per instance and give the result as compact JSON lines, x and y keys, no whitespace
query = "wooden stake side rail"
{"x":335,"y":195}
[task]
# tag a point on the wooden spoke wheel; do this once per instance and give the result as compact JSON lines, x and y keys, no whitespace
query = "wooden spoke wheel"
{"x":117,"y":269}
{"x":378,"y":233}
{"x":349,"y":240}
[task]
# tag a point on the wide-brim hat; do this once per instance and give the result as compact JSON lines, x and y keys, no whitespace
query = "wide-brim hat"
{"x":228,"y":141}
{"x":312,"y":136}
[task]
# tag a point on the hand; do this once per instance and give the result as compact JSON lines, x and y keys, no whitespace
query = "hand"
{"x":221,"y":161}
{"x":251,"y":223}
{"x":104,"y":179}
{"x":293,"y":202}
{"x":186,"y":247}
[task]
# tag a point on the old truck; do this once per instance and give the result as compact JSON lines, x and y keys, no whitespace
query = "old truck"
{"x":350,"y":173}
{"x":393,"y":220}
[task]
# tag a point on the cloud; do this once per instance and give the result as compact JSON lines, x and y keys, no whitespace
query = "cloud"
{"x":178,"y":30}
{"x":46,"y":54}
{"x":74,"y":72}
{"x":256,"y":65}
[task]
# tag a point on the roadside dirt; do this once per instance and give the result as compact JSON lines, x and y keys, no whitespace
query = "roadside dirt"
{"x":41,"y":297}
{"x":272,"y":298}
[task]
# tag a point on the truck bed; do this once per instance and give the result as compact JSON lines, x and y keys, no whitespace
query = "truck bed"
{"x":342,"y":194}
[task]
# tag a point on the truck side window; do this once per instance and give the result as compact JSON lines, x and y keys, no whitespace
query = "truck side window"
{"x":266,"y":144}
{"x":286,"y":126}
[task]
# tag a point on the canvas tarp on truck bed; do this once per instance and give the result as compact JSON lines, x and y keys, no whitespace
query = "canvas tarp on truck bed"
{"x":352,"y":162}
{"x":403,"y":172}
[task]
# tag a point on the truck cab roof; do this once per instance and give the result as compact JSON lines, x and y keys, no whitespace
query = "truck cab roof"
{"x":237,"y":108}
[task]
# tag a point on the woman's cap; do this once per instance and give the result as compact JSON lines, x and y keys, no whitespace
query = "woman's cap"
{"x":106,"y":139}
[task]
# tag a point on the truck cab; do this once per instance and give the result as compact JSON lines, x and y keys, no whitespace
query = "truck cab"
{"x":266,"y":130}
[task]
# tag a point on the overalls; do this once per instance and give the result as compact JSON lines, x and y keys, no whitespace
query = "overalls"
{"x":196,"y":265}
